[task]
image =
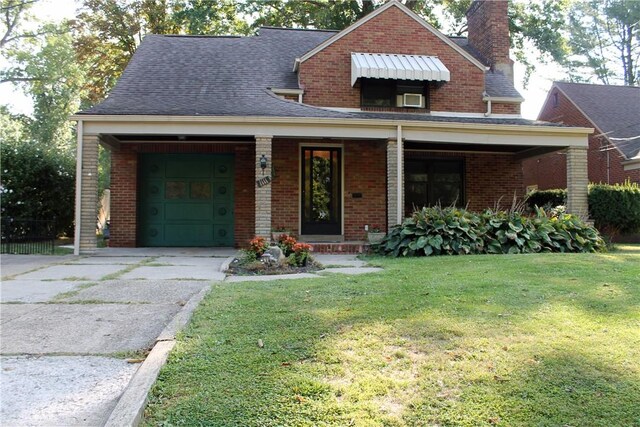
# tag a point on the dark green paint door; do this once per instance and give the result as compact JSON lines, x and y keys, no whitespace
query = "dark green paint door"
{"x":185,"y":200}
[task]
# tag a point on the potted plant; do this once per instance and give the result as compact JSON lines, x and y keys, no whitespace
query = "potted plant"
{"x":375,"y":234}
{"x":276,"y":232}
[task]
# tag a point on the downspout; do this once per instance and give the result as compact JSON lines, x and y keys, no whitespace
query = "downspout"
{"x":486,"y":96}
{"x":78,"y":215}
{"x":400,"y":148}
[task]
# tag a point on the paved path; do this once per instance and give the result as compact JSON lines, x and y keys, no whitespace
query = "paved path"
{"x":68,"y":323}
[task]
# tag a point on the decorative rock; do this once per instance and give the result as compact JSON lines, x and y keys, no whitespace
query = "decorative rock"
{"x":276,"y":253}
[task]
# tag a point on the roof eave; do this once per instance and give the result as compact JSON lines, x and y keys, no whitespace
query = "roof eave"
{"x":330,"y":121}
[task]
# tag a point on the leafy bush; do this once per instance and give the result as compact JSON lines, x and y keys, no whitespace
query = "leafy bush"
{"x":615,"y":208}
{"x":546,"y":198}
{"x":37,"y":182}
{"x":453,"y":231}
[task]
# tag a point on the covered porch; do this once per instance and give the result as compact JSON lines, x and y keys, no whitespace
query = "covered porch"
{"x":325,"y":180}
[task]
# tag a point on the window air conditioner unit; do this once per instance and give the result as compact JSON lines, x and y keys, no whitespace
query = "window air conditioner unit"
{"x":413,"y":100}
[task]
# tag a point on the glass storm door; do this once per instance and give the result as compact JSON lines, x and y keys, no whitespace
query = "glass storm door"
{"x":321,"y":190}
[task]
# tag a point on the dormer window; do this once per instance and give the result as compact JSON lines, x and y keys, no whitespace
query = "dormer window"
{"x":383,"y":93}
{"x":395,"y":80}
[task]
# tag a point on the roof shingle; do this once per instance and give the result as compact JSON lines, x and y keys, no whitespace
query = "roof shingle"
{"x":615,"y":110}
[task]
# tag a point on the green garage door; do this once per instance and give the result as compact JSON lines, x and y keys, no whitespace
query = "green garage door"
{"x":185,"y":200}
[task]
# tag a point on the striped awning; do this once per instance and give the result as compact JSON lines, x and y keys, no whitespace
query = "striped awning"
{"x":397,"y":67}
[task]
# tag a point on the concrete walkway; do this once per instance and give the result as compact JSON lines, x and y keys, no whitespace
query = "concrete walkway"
{"x":68,"y":325}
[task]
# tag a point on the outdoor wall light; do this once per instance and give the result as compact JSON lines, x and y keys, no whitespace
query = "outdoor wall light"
{"x":263,"y":163}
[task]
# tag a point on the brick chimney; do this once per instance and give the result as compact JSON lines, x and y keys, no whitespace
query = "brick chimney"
{"x":488,"y":32}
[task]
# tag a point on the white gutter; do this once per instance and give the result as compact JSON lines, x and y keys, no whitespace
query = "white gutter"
{"x":78,"y":213}
{"x":400,"y":145}
{"x":333,"y":121}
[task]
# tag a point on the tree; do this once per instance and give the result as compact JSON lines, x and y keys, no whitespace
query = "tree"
{"x":47,"y":71}
{"x":14,"y":13}
{"x":605,"y":41}
{"x":108,"y":32}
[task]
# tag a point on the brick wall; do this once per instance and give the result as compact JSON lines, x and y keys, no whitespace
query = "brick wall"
{"x":364,"y":172}
{"x":549,"y":171}
{"x":326,"y":76}
{"x":489,"y":179}
{"x":124,"y":166}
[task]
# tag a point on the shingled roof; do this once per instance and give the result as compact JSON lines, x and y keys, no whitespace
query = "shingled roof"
{"x":226,"y":76}
{"x":614,"y":110}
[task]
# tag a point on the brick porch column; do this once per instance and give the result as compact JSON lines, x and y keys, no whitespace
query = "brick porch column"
{"x":86,"y":193}
{"x":395,"y":183}
{"x":263,"y":189}
{"x":577,"y":181}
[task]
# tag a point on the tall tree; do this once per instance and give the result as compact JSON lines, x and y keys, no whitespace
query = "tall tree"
{"x":109,"y":31}
{"x":13,"y":14}
{"x":605,"y":41}
{"x":46,"y":69}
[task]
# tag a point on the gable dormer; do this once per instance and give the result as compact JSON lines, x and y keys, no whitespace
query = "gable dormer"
{"x":392,"y":60}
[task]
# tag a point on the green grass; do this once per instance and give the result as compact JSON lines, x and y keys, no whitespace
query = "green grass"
{"x":522,"y":340}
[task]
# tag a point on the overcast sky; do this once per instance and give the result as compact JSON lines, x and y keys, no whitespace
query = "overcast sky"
{"x":56,"y":10}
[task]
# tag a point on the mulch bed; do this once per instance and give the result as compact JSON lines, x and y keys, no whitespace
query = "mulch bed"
{"x":256,"y":268}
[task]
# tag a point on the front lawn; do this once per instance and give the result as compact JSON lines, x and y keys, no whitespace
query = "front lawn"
{"x":502,"y":340}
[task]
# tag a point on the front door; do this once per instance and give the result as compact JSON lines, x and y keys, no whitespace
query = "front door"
{"x":321,"y":190}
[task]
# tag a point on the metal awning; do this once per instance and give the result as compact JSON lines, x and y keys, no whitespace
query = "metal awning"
{"x":397,"y":67}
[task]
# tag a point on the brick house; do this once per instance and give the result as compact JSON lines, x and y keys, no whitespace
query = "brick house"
{"x":614,"y":146}
{"x":216,"y":139}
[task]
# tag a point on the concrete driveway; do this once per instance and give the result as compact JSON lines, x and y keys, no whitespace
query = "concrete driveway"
{"x":71,"y":326}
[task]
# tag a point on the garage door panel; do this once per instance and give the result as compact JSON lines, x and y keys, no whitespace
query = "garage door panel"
{"x":188,"y":168}
{"x":223,"y":168}
{"x":223,"y":234}
{"x":188,"y":212}
{"x":189,"y":234}
{"x":186,"y":200}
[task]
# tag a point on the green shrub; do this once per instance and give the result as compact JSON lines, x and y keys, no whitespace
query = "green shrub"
{"x":615,"y":208}
{"x":546,"y":198}
{"x":453,"y":231}
{"x":37,"y":183}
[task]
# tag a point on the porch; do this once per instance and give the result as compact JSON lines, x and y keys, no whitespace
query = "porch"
{"x":325,"y":182}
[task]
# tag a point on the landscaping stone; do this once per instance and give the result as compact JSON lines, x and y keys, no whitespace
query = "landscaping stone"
{"x":276,"y":253}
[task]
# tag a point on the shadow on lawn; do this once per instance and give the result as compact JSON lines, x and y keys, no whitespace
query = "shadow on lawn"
{"x":419,"y":343}
{"x":564,"y":387}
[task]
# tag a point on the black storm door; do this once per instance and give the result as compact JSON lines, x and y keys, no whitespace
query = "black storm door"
{"x":321,"y":190}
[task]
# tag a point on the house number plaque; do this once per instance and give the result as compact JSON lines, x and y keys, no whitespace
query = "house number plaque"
{"x":263,"y":181}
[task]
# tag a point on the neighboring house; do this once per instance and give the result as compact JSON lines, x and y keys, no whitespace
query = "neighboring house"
{"x":216,"y":139}
{"x":614,"y":146}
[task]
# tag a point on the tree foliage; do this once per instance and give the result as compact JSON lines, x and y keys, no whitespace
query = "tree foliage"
{"x":605,"y":40}
{"x":48,"y":72}
{"x":36,"y":181}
